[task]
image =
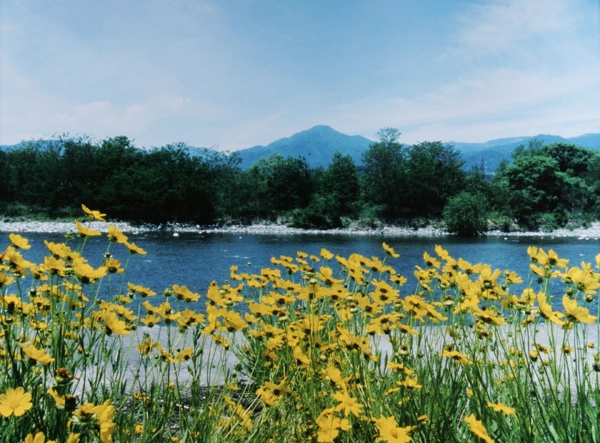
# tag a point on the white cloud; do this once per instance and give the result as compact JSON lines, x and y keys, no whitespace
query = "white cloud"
{"x":521,"y":67}
{"x":508,"y":26}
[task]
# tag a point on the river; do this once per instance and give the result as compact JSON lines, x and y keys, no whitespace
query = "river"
{"x":195,"y":259}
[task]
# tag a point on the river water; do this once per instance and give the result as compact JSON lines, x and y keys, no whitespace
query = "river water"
{"x":195,"y":259}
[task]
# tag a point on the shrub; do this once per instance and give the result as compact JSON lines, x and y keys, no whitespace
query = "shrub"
{"x":465,"y":215}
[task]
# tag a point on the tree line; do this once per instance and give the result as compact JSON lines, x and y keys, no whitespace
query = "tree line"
{"x":543,"y":187}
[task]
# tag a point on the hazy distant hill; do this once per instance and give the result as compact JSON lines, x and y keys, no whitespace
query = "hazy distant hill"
{"x":317,"y":145}
{"x":491,"y":153}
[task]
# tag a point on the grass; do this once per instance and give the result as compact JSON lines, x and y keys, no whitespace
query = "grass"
{"x":317,"y":348}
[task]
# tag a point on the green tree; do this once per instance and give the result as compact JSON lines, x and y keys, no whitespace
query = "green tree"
{"x":282,"y":184}
{"x":78,"y":181}
{"x":116,"y":164}
{"x":548,"y":185}
{"x":466,"y":214}
{"x":384,"y":182}
{"x":435,"y":174}
{"x":341,"y":182}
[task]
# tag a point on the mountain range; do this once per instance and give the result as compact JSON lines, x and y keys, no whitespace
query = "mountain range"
{"x":318,"y":144}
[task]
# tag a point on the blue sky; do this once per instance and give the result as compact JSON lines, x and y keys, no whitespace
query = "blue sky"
{"x":237,"y":73}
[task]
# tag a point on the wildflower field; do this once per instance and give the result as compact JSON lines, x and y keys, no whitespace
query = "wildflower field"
{"x":314,"y":348}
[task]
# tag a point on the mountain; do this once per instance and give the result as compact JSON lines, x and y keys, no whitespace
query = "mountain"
{"x":317,"y":145}
{"x":493,"y":152}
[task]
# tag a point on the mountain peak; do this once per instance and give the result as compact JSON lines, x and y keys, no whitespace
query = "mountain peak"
{"x":317,"y":145}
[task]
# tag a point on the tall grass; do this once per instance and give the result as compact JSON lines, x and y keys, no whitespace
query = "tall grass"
{"x":318,"y":348}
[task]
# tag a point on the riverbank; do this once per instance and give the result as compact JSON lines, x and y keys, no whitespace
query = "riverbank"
{"x":591,"y":233}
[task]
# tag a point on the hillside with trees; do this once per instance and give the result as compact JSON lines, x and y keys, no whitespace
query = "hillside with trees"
{"x":543,"y":186}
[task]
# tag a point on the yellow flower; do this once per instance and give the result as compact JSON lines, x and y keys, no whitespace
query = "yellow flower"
{"x":329,"y":426}
{"x":84,"y":231}
{"x":103,"y":414}
{"x":270,"y":393}
{"x":500,"y":407}
{"x":576,"y":312}
{"x":183,"y":293}
{"x":478,"y":429}
{"x":334,"y":375}
{"x":347,"y":404}
{"x":134,"y":249}
{"x":410,"y":382}
{"x":431,"y":261}
{"x":143,"y":291}
{"x":326,"y":254}
{"x":546,"y":310}
{"x":38,"y":355}
{"x":457,"y":357}
{"x":86,"y":273}
{"x":15,"y":402}
{"x":390,"y":432}
{"x":384,"y":293}
{"x":16,"y":261}
{"x":489,"y":316}
{"x":19,"y":242}
{"x":113,"y":324}
{"x":550,"y":259}
{"x":60,"y":401}
{"x":150,"y":320}
{"x":58,"y":250}
{"x":442,"y":253}
{"x":54,"y":265}
{"x":6,"y":279}
{"x":582,"y":279}
{"x":115,"y":235}
{"x":233,"y":321}
{"x":300,"y":357}
{"x":94,"y":215}
{"x":389,"y":250}
{"x":38,"y":438}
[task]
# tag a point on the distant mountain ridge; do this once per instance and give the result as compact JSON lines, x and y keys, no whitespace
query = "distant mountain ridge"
{"x":318,"y":144}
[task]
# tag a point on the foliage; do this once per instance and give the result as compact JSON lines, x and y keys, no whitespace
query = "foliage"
{"x":433,"y":175}
{"x":555,"y":180}
{"x":384,"y":178}
{"x":466,"y":215}
{"x":319,"y":348}
{"x":544,"y":186}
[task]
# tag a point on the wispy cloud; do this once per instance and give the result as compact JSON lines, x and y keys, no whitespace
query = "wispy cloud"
{"x":538,"y":76}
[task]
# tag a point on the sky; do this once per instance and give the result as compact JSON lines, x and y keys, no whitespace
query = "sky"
{"x":231,"y":74}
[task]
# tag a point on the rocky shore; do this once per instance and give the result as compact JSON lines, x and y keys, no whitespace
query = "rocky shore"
{"x":591,"y":233}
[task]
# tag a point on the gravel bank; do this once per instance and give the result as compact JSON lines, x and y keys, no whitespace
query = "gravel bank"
{"x":592,"y":233}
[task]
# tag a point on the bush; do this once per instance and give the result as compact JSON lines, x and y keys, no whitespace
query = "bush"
{"x":465,"y":215}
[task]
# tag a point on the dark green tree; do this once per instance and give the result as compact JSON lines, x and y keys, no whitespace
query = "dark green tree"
{"x":466,"y":214}
{"x":548,"y":185}
{"x":282,"y":184}
{"x":384,"y":182}
{"x":435,"y":174}
{"x":341,"y":182}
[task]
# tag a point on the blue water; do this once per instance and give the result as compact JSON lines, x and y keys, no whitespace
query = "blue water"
{"x":195,"y":259}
